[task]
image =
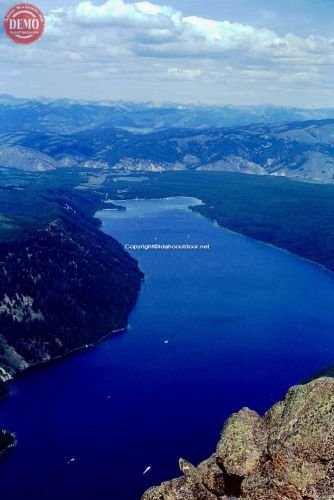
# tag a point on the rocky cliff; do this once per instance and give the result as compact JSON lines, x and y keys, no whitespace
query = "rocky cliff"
{"x":286,"y":454}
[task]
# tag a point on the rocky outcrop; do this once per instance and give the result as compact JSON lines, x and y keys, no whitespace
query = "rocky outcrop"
{"x":286,"y":454}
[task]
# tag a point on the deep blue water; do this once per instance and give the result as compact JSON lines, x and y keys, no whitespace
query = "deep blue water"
{"x":243,"y":322}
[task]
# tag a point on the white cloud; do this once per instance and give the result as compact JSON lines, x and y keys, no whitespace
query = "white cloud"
{"x":185,"y":74}
{"x":119,"y":12}
{"x":151,"y":44}
{"x":301,"y":76}
{"x":147,"y":22}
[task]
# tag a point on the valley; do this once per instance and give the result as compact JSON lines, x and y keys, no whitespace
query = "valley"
{"x":260,"y":141}
{"x":79,"y":191}
{"x":295,"y":216}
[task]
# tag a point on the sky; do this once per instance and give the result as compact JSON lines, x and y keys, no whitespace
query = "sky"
{"x":188,"y":51}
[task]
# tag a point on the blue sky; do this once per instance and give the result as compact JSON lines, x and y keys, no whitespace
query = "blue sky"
{"x":298,"y":16}
{"x":213,"y":51}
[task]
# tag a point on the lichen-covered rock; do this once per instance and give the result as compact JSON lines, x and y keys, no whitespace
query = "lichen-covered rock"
{"x":303,"y":426}
{"x":171,"y":490}
{"x":287,"y":454}
{"x":188,"y":487}
{"x":212,"y":476}
{"x":243,"y":444}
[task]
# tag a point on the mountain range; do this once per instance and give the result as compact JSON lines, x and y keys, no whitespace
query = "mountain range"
{"x":68,"y":116}
{"x":40,"y":135}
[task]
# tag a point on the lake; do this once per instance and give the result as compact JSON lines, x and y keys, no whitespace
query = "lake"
{"x":232,"y":323}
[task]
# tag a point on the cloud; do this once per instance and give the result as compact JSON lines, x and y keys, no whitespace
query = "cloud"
{"x":121,"y":13}
{"x":184,"y":74}
{"x":163,"y":31}
{"x":306,"y":76}
{"x":149,"y":45}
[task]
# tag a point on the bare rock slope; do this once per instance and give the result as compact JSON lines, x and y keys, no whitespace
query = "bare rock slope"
{"x":286,"y":454}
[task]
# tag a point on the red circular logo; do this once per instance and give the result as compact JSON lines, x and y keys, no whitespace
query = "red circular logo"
{"x":24,"y":23}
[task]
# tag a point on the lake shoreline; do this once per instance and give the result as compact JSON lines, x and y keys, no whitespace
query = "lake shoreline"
{"x":271,"y":245}
{"x":220,"y":309}
{"x":59,"y":359}
{"x":64,"y":242}
{"x":214,"y":221}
